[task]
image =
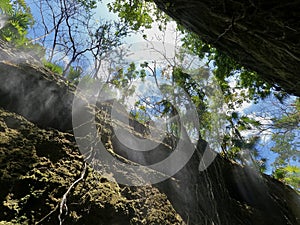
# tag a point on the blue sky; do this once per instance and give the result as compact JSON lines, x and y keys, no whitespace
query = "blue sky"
{"x":247,"y":108}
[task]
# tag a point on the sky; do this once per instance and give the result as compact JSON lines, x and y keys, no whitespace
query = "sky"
{"x":136,"y":42}
{"x":103,"y":12}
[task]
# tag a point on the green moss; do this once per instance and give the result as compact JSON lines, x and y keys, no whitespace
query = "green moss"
{"x":36,"y":169}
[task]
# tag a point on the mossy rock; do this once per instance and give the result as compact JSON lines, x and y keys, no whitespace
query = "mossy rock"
{"x":38,"y":166}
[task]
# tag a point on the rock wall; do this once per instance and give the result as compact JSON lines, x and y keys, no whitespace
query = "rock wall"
{"x":37,"y":168}
{"x":263,"y":36}
{"x":29,"y":89}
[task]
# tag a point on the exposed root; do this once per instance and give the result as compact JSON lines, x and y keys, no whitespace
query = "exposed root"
{"x":63,"y":204}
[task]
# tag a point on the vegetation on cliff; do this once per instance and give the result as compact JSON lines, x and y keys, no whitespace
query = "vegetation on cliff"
{"x":47,"y":61}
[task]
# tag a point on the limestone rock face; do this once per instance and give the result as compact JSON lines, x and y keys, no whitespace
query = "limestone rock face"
{"x":263,"y":36}
{"x":44,"y":180}
{"x":40,"y":164}
{"x":38,"y":167}
{"x":29,"y":89}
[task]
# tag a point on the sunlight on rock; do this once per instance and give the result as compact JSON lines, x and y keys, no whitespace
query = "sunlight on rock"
{"x":3,"y":20}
